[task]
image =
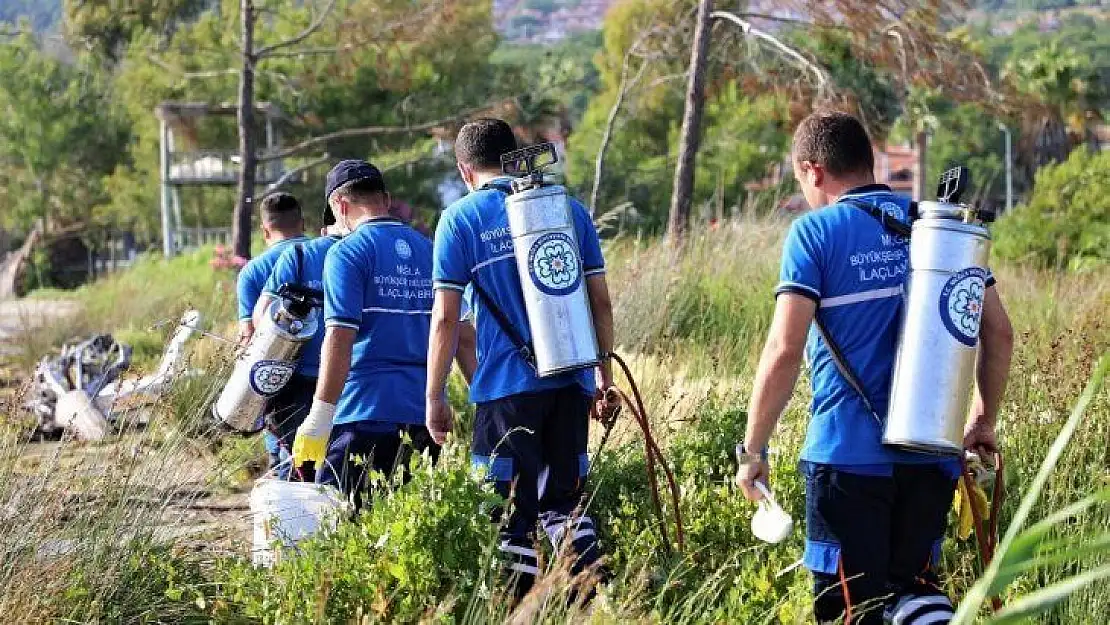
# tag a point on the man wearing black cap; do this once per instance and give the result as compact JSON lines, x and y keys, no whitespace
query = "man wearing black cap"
{"x":377,"y":307}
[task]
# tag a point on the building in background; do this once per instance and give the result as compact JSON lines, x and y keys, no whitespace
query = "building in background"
{"x":547,"y":21}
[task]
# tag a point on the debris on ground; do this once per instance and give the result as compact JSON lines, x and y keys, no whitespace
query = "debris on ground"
{"x":77,"y":389}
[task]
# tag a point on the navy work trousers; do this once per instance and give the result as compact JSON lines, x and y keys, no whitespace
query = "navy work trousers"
{"x":359,"y":448}
{"x":533,"y":446}
{"x":872,"y":540}
{"x":284,"y":414}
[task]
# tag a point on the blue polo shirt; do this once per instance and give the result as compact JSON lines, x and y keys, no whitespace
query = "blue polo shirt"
{"x":473,"y":243}
{"x":855,"y":271}
{"x":378,"y":282}
{"x":253,"y":275}
{"x":307,"y":271}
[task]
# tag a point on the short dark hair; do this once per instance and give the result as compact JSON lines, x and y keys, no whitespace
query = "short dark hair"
{"x":361,"y":192}
{"x":836,"y":141}
{"x":281,"y":211}
{"x":481,"y":143}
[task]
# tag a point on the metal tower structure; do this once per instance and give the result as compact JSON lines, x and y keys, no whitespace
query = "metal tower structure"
{"x":204,"y":167}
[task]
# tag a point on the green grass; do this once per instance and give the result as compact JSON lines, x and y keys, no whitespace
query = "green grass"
{"x":693,"y":327}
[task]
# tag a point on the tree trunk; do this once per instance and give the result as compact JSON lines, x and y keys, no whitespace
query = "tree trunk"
{"x":248,"y":157}
{"x":921,"y":147}
{"x":690,"y":137}
{"x":13,"y":267}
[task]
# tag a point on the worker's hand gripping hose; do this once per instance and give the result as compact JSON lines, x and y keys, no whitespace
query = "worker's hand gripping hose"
{"x":606,"y":412}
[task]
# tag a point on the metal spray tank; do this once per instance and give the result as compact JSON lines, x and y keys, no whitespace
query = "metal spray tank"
{"x":549,"y":263}
{"x":934,"y":368}
{"x":270,"y":359}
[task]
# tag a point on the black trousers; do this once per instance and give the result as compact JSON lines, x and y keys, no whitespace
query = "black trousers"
{"x":357,"y":449}
{"x":533,"y":446}
{"x":284,"y":414}
{"x":879,"y":536}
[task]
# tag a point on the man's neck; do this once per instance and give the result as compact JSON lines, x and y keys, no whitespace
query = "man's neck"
{"x":279,"y":236}
{"x":481,"y":178}
{"x":370,"y":213}
{"x":840,"y":186}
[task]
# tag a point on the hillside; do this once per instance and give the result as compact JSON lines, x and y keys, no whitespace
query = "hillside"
{"x":43,"y":14}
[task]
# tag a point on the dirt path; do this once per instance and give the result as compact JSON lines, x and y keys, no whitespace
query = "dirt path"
{"x":194,"y":513}
{"x":21,"y":315}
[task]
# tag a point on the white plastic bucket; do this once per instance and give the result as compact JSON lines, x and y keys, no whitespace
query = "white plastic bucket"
{"x":284,"y":513}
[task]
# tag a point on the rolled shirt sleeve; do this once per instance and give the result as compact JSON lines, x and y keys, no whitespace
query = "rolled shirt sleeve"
{"x":802,"y":261}
{"x":345,"y":287}
{"x":450,"y":269}
{"x":589,"y":244}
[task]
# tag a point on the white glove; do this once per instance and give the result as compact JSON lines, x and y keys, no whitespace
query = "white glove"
{"x":311,"y":443}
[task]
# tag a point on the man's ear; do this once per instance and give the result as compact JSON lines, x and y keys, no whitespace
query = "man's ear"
{"x":265,"y":231}
{"x":816,"y":174}
{"x":467,"y":174}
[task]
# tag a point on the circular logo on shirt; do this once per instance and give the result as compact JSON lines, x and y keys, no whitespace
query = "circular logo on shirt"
{"x":961,"y":304}
{"x":403,"y":249}
{"x":892,"y":209}
{"x":270,"y":376}
{"x":553,"y":264}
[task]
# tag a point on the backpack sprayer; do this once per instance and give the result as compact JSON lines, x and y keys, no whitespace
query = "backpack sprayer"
{"x":556,"y":301}
{"x":270,"y":359}
{"x":934,"y":369}
{"x":934,"y":366}
{"x":550,"y":265}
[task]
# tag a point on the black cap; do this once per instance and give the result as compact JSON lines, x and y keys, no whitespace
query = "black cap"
{"x":351,"y":170}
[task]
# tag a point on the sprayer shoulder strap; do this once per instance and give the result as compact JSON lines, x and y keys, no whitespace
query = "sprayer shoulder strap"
{"x":498,"y":185}
{"x":298,"y":249}
{"x":523,"y":347}
{"x":890,"y":222}
{"x":843,"y":366}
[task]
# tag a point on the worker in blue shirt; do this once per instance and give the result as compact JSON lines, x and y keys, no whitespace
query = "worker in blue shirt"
{"x":301,"y":263}
{"x":377,"y":306}
{"x":282,"y":225}
{"x":875,"y":515}
{"x":529,"y":433}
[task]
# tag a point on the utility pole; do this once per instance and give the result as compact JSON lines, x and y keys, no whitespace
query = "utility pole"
{"x":248,"y":158}
{"x":1009,"y":167}
{"x":690,"y":137}
{"x":921,"y":150}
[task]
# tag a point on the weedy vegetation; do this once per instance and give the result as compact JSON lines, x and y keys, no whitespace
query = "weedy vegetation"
{"x":109,"y":532}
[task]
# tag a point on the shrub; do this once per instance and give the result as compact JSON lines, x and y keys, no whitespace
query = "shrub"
{"x":1066,"y":222}
{"x":424,"y":547}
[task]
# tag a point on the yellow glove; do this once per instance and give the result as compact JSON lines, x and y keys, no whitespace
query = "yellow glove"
{"x":963,"y":506}
{"x":311,"y":443}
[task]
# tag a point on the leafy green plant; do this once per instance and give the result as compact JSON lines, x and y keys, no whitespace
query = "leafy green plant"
{"x":421,"y":544}
{"x":1066,"y":222}
{"x":1022,"y":551}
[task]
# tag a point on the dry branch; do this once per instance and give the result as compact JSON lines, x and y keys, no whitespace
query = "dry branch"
{"x":292,"y":173}
{"x":314,"y":26}
{"x":610,"y":122}
{"x":806,"y":64}
{"x":370,"y":131}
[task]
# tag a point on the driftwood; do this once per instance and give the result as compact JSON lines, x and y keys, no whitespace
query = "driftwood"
{"x":13,"y":268}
